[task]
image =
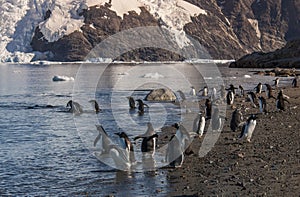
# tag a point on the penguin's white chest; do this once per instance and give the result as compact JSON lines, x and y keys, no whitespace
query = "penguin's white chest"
{"x":249,"y":130}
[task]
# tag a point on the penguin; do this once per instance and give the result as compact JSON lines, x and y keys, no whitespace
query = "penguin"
{"x":141,"y":106}
{"x":242,"y":90}
{"x":174,"y":153}
{"x":95,"y":105}
{"x":105,"y":140}
{"x":236,"y":119}
{"x":295,"y":82}
{"x":149,"y":140}
{"x":204,"y":91}
{"x":232,"y":88}
{"x":193,"y":91}
{"x":75,"y":107}
{"x":258,"y":88}
{"x":121,"y":157}
{"x":199,"y":124}
{"x":208,"y":108}
{"x":127,"y":145}
{"x":213,"y":94}
{"x":184,"y":138}
{"x":280,"y":105}
{"x":181,"y":95}
{"x":262,"y":104}
{"x":230,"y":97}
{"x":269,"y":91}
{"x":253,"y":98}
{"x":248,"y":128}
{"x":216,"y":122}
{"x":276,"y":82}
{"x":223,"y":92}
{"x":131,"y":102}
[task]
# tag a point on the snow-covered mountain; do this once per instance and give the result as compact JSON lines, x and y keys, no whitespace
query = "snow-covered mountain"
{"x":52,"y":29}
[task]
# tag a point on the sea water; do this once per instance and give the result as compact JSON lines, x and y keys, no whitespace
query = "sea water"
{"x":44,"y":150}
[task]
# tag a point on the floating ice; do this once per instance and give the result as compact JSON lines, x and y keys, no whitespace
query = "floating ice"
{"x":153,"y":75}
{"x":62,"y":78}
{"x":247,"y":76}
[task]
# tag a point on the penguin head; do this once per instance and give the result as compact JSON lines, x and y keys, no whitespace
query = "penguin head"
{"x":253,"y":117}
{"x":69,"y":104}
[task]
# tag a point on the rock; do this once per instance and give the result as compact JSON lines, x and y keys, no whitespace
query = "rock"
{"x":161,"y":94}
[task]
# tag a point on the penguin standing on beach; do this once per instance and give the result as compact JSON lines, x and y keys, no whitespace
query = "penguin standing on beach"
{"x":95,"y":105}
{"x":208,"y":108}
{"x":253,"y":98}
{"x":248,"y":128}
{"x":276,"y":82}
{"x":127,"y":145}
{"x":231,"y":88}
{"x":258,"y":88}
{"x":199,"y":124}
{"x":269,"y":91}
{"x":131,"y":102}
{"x":242,"y":90}
{"x":236,"y":119}
{"x":262,"y":104}
{"x":230,"y":97}
{"x":295,"y":82}
{"x":223,"y":92}
{"x":175,"y":152}
{"x":216,"y":122}
{"x":280,"y":105}
{"x":204,"y":91}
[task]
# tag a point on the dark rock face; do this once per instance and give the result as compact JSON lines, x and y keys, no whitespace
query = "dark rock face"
{"x":231,"y":29}
{"x":287,"y":57}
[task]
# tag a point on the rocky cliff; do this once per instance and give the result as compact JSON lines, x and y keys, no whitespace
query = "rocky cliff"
{"x":229,"y":30}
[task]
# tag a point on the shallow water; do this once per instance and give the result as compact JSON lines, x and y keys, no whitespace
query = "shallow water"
{"x":46,"y":151}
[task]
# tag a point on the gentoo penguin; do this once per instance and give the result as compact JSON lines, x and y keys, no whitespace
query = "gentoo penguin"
{"x":276,"y":82}
{"x":262,"y":104}
{"x":216,"y":120}
{"x":269,"y":91}
{"x":258,"y":88}
{"x":242,"y":90}
{"x":230,"y":97}
{"x":193,"y":91}
{"x":149,"y":140}
{"x":280,"y":101}
{"x":105,"y":141}
{"x":236,"y":119}
{"x":213,"y":94}
{"x":204,"y":91}
{"x":127,"y":145}
{"x":141,"y":105}
{"x":295,"y":82}
{"x":75,"y":107}
{"x":95,"y":105}
{"x":253,"y":98}
{"x":232,"y":88}
{"x":174,"y":152}
{"x":208,"y":109}
{"x":131,"y":102}
{"x":199,"y":124}
{"x":181,"y":95}
{"x":248,"y":128}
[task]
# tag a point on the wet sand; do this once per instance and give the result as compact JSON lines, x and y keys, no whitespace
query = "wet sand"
{"x":267,"y":166}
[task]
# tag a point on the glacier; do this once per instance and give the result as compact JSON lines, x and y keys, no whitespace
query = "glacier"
{"x":19,"y":18}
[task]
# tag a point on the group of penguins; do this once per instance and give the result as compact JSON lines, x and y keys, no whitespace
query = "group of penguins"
{"x":123,"y":154}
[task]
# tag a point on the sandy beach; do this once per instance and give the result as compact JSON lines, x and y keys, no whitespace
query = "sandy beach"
{"x":267,"y":166}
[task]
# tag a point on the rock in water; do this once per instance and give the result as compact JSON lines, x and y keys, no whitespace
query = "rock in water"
{"x":162,"y":94}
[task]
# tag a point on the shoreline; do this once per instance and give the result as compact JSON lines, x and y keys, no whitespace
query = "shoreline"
{"x":268,"y":165}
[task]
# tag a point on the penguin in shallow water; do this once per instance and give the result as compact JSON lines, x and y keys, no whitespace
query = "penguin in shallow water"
{"x":295,"y":82}
{"x":95,"y":105}
{"x":230,"y":97}
{"x":75,"y":107}
{"x":248,"y":128}
{"x":276,"y":82}
{"x":253,"y":98}
{"x":149,"y":140}
{"x":208,"y":108}
{"x":258,"y":88}
{"x":199,"y":124}
{"x":236,"y":119}
{"x":182,"y":95}
{"x":242,"y":90}
{"x":131,"y":102}
{"x":262,"y":104}
{"x":280,"y":105}
{"x":105,"y":141}
{"x":141,"y":106}
{"x":127,"y":145}
{"x":269,"y":91}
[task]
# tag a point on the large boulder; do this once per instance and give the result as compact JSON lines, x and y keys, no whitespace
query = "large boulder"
{"x":162,"y":94}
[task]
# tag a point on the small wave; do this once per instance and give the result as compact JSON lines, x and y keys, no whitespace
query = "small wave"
{"x":153,"y":75}
{"x":62,"y":78}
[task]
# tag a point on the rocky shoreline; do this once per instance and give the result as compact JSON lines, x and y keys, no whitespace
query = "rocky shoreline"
{"x":267,"y":166}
